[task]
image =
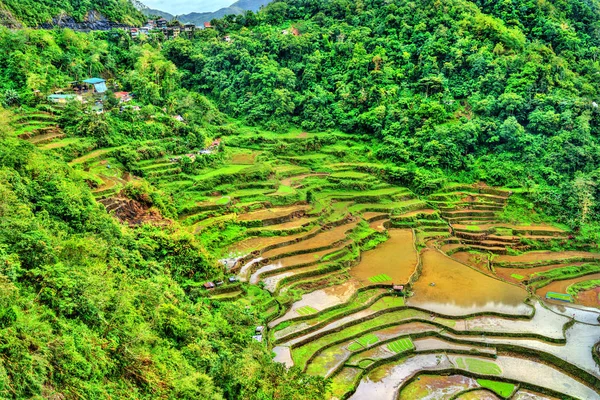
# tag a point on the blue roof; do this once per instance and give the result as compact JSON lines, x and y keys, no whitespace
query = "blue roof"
{"x":94,"y":81}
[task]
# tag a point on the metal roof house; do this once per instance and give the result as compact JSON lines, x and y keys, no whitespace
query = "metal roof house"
{"x":99,"y":84}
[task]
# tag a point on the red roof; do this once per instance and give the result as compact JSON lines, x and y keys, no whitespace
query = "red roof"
{"x":207,"y":25}
{"x":120,"y":95}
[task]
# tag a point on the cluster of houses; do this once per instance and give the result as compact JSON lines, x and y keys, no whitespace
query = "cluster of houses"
{"x":214,"y":146}
{"x":163,"y":28}
{"x":87,"y":90}
{"x":212,"y":285}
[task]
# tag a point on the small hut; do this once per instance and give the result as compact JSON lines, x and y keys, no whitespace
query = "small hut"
{"x":98,"y":83}
{"x":398,"y":289}
{"x":209,"y":285}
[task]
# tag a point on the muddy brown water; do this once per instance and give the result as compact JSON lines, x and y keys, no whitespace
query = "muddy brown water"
{"x":506,"y":273}
{"x":248,"y":245}
{"x":396,"y":258}
{"x":269,"y":213}
{"x":589,"y":298}
{"x":478,"y":395}
{"x":449,"y":287}
{"x":534,"y":256}
{"x":561,"y":287}
{"x":436,"y":387}
{"x":293,"y":224}
{"x":325,"y":238}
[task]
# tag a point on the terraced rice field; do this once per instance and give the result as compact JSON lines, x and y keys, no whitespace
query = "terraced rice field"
{"x":320,"y":242}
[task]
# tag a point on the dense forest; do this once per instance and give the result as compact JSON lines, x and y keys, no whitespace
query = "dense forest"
{"x":34,"y":13}
{"x":91,"y":308}
{"x":501,"y":92}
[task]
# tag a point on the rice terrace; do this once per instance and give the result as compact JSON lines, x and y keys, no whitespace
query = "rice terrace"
{"x":387,"y":293}
{"x":300,"y":200}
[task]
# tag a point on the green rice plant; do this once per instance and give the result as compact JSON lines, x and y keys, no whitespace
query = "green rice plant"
{"x":363,"y":342}
{"x":575,"y":288}
{"x":517,"y":277}
{"x":401,"y":345}
{"x":559,"y":296}
{"x":479,"y":366}
{"x":307,"y":310}
{"x":503,"y":389}
{"x":380,"y":278}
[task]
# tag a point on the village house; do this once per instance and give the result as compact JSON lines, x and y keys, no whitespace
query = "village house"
{"x":161,"y":23}
{"x":123,"y":97}
{"x":398,"y":288}
{"x":209,"y":285}
{"x":99,"y":84}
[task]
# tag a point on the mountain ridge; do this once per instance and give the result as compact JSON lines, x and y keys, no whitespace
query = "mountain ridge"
{"x":198,"y":18}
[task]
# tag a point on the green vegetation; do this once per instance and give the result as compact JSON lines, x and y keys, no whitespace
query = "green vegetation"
{"x":401,"y":345}
{"x":363,"y":342}
{"x":503,"y":389}
{"x":583,"y":286}
{"x":380,"y":278}
{"x":540,"y":279}
{"x":306,"y":310}
{"x":559,"y":296}
{"x":478,"y":366}
{"x":114,"y":215}
{"x":34,"y":13}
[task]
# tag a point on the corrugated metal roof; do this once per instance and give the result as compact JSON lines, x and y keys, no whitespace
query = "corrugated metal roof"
{"x":100,"y":87}
{"x":94,"y":81}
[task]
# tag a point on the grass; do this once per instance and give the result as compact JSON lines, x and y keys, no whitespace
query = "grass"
{"x":307,"y":310}
{"x":223,"y":201}
{"x":575,"y":288}
{"x":503,"y":389}
{"x":302,"y":353}
{"x":361,"y":299}
{"x":517,"y":277}
{"x":283,"y":190}
{"x":401,"y":345}
{"x":478,"y":366}
{"x":559,"y":296}
{"x":367,"y":340}
{"x":380,"y":278}
{"x":540,"y":279}
{"x":388,"y":302}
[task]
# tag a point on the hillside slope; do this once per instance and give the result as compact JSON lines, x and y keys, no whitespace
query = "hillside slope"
{"x":34,"y":13}
{"x":504,"y":95}
{"x":237,"y":8}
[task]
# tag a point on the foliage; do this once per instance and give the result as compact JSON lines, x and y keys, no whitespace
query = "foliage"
{"x":501,"y":93}
{"x":93,"y":309}
{"x":503,"y":389}
{"x":33,"y":13}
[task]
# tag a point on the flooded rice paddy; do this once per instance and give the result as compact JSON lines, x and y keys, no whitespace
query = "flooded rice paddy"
{"x":463,"y":302}
{"x":396,"y":258}
{"x":449,"y":287}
